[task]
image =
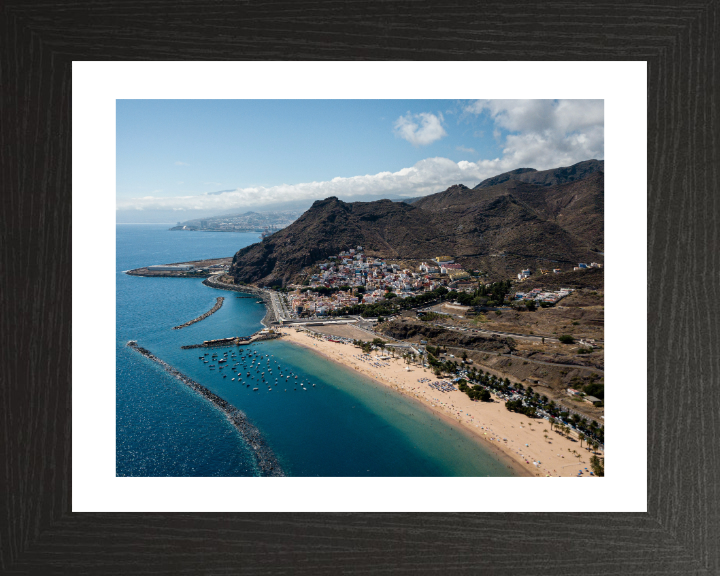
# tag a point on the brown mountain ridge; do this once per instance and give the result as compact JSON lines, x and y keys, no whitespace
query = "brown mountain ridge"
{"x":555,"y":220}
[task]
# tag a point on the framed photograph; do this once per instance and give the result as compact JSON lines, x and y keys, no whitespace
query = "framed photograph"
{"x":372,"y":293}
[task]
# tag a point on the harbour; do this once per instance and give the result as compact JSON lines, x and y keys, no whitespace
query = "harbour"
{"x":163,"y":431}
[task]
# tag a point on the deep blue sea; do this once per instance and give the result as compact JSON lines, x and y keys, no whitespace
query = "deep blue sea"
{"x":344,"y":426}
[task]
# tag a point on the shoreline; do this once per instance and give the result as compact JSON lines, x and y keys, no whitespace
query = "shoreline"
{"x":528,"y":446}
{"x":500,"y":455}
{"x":259,"y":292}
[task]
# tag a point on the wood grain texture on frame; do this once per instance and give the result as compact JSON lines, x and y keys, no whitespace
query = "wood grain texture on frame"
{"x":680,"y":532}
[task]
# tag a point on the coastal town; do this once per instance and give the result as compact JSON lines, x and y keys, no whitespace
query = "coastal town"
{"x":439,"y":332}
{"x":351,"y":278}
{"x":266,"y":223}
{"x":365,"y":306}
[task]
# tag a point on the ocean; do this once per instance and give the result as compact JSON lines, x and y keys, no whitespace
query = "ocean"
{"x":346,"y":425}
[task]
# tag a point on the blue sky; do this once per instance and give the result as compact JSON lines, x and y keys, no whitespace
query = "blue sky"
{"x":171,"y":153}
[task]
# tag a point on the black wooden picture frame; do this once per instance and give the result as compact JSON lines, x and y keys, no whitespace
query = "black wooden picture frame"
{"x":680,"y":533}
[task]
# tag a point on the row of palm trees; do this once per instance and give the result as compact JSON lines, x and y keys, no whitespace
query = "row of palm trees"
{"x":567,"y":431}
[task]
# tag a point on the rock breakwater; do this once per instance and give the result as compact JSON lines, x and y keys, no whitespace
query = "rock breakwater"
{"x":269,"y":318}
{"x":266,"y":461}
{"x":218,"y":305}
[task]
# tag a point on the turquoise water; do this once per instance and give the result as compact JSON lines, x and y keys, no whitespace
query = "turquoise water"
{"x":345,"y":425}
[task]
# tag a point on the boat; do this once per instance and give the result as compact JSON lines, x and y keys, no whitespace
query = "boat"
{"x":256,"y":389}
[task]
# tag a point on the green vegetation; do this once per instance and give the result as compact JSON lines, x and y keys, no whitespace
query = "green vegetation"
{"x":491,"y":295}
{"x":517,"y":406}
{"x":474,"y":393}
{"x":392,"y":305}
{"x":585,"y":350}
{"x":597,"y":465}
{"x":429,"y":316}
{"x":566,"y":339}
{"x":596,"y":389}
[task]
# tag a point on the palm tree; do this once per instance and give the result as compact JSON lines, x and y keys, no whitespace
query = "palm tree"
{"x":552,"y":422}
{"x":582,"y":437}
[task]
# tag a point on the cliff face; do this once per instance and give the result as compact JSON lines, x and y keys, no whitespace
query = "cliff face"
{"x":495,"y":227}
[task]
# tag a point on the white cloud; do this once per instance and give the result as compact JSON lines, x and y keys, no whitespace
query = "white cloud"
{"x":178,"y":163}
{"x":420,"y":129}
{"x":547,"y":133}
{"x":540,"y":134}
{"x":426,"y":177}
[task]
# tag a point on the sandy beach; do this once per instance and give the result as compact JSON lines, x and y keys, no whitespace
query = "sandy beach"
{"x":528,"y":444}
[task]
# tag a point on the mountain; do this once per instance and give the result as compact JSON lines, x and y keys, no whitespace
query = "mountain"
{"x":500,"y":226}
{"x":382,"y":228}
{"x":551,"y":177}
{"x":500,"y":178}
{"x":575,"y":206}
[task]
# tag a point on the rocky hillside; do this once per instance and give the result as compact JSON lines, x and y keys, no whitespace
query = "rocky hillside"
{"x":383,"y":228}
{"x":415,"y":331}
{"x":556,"y":220}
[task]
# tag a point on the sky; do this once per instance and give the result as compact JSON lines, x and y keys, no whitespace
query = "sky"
{"x":174,"y":156}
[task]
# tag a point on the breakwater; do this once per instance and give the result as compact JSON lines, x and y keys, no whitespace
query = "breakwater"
{"x":236,"y":340}
{"x":266,"y":461}
{"x":218,"y":305}
{"x":259,"y":292}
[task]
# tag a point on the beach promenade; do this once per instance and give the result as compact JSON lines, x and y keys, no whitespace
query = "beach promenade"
{"x":528,"y":443}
